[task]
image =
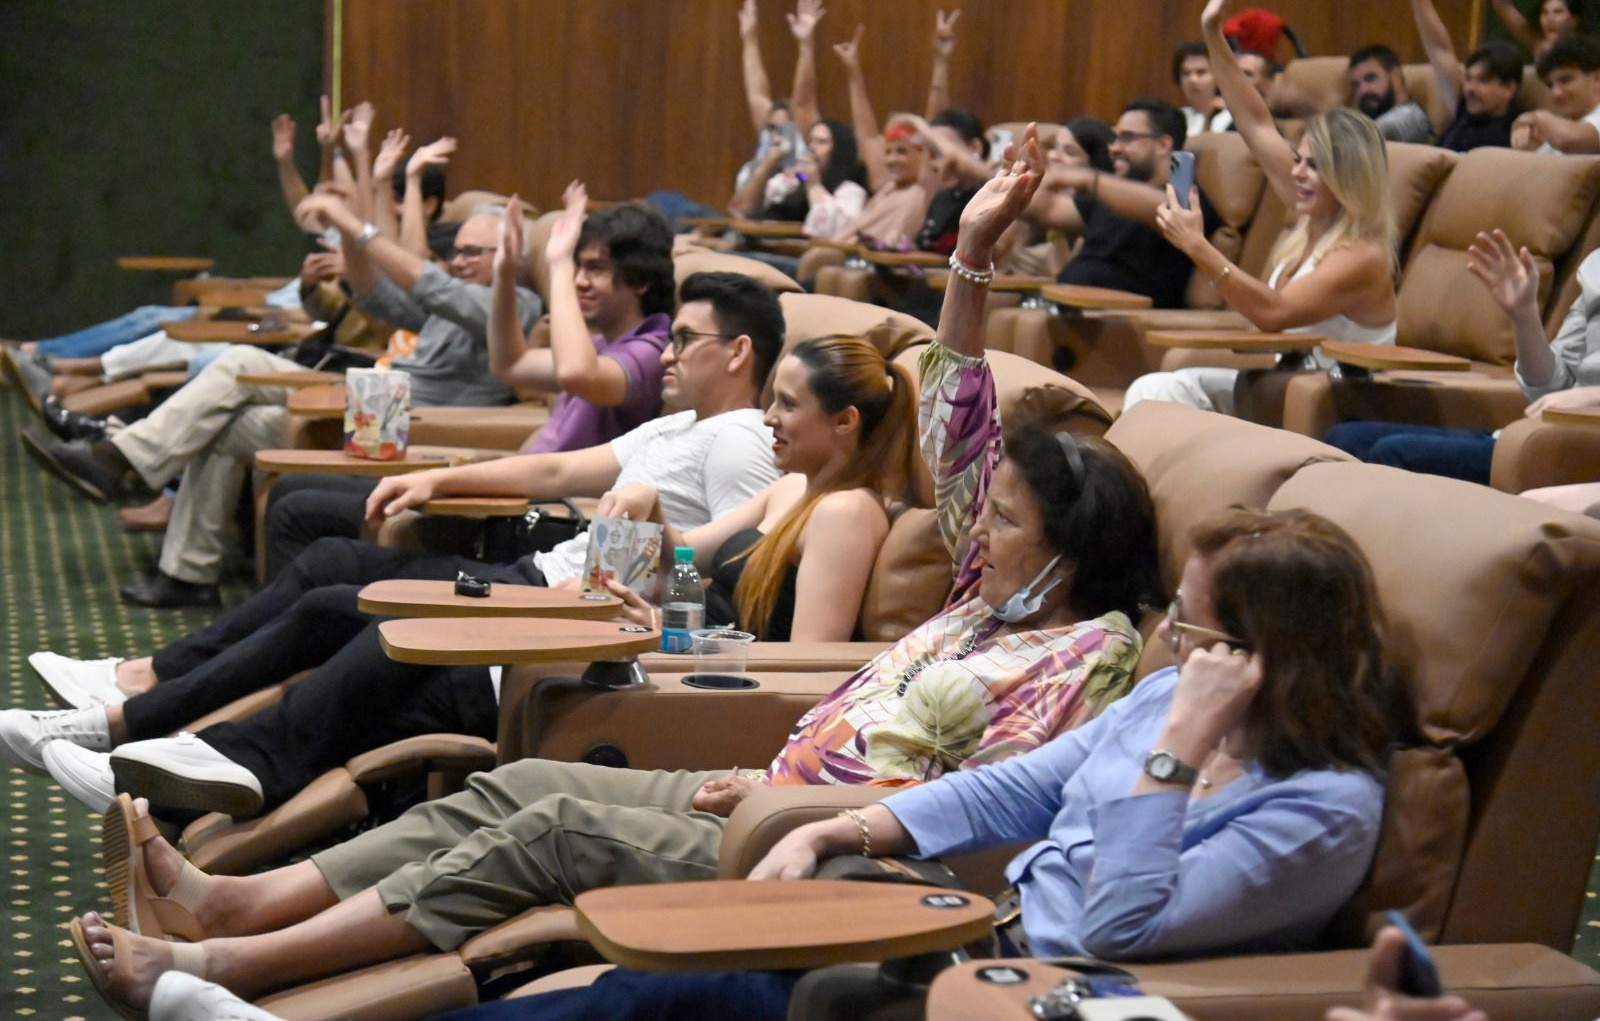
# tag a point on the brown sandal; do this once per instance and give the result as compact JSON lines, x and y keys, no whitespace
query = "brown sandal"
{"x":185,"y":957}
{"x":123,"y":836}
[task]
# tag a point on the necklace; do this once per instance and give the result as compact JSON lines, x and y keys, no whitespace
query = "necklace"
{"x":968,"y":645}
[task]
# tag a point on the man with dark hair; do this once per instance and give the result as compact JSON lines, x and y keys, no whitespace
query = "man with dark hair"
{"x":1115,"y":214}
{"x":611,"y":300}
{"x":1482,"y":91}
{"x":1571,"y":67}
{"x":1379,"y":90}
{"x":1203,"y":109}
{"x":703,"y":461}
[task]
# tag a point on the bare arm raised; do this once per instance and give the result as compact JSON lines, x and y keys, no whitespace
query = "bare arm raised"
{"x":1447,"y":70}
{"x":944,"y":48}
{"x":1251,"y":117}
{"x":803,"y":95}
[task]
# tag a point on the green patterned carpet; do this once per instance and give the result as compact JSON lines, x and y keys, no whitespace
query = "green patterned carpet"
{"x":62,"y":560}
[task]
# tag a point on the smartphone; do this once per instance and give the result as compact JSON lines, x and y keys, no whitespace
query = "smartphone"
{"x":1182,"y":175}
{"x":1419,"y":976}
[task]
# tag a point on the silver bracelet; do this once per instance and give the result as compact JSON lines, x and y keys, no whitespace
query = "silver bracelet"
{"x":981,"y":277}
{"x":369,"y":230}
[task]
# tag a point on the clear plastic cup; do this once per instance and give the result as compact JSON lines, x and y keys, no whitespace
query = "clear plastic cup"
{"x":720,"y":653}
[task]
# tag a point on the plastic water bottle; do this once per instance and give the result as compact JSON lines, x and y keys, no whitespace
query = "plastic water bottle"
{"x":684,"y":611}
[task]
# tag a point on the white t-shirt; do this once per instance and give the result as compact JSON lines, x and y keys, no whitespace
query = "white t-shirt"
{"x":1592,"y":118}
{"x":702,"y":469}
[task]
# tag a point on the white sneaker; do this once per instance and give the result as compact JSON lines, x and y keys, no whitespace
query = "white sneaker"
{"x":78,"y":683}
{"x":182,"y":997}
{"x":185,"y":772}
{"x":84,"y":774}
{"x":23,"y":734}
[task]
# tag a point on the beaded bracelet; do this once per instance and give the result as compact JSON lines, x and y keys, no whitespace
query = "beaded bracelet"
{"x":981,"y":277}
{"x":860,"y":820}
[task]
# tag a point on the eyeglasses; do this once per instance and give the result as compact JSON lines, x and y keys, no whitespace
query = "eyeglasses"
{"x":470,"y":251}
{"x":1177,"y":628}
{"x":1129,"y":137}
{"x":682,"y":337}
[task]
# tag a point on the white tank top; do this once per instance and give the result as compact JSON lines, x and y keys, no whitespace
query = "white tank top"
{"x":1339,"y":327}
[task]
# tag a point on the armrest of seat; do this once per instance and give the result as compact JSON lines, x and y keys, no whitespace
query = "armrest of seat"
{"x":423,"y":751}
{"x":1380,"y":357}
{"x":1241,"y":341}
{"x":218,"y":331}
{"x":728,"y":923}
{"x":794,"y":247}
{"x":713,"y":223}
{"x":477,"y":506}
{"x":292,"y":380}
{"x":318,"y":401}
{"x":402,"y":597}
{"x":1080,"y":297}
{"x":847,"y":247}
{"x":503,"y":428}
{"x":769,"y":228}
{"x":337,"y":462}
{"x":925,"y":260}
{"x":1556,"y":449}
{"x":769,"y":813}
{"x":786,"y":656}
{"x":521,"y":937}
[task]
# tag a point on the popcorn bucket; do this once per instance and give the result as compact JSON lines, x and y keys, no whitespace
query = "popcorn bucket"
{"x":377,"y":414}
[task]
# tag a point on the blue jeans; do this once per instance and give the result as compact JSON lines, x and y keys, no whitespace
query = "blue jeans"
{"x":1434,"y":450}
{"x":673,"y":204}
{"x":96,"y":340}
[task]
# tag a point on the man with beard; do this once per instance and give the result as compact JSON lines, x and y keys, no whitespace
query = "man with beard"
{"x":1115,"y":214}
{"x":1379,"y":90}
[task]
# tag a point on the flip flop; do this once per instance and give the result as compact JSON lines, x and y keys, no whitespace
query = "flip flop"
{"x":123,"y":835}
{"x":186,"y":957}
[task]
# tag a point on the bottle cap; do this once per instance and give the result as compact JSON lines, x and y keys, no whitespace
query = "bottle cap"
{"x":683,"y":555}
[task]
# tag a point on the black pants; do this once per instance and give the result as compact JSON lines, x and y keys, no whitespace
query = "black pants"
{"x":304,"y":619}
{"x":304,"y":508}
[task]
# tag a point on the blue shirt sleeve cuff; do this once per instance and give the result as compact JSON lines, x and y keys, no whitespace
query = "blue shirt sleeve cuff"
{"x":1138,"y":835}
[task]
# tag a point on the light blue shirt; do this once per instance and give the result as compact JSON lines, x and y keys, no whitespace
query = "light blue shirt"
{"x":1260,"y":865}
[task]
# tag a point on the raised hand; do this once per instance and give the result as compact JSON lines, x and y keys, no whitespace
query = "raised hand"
{"x":321,"y":266}
{"x":849,"y":53}
{"x":803,"y":22}
{"x":329,"y":126}
{"x":435,"y":153}
{"x":563,"y":243}
{"x":508,"y":256}
{"x":395,"y":144}
{"x":1002,"y":198}
{"x":944,"y":33}
{"x":747,"y":19}
{"x":1212,"y":16}
{"x":283,"y":138}
{"x":1183,"y":228}
{"x":1511,"y":276}
{"x":358,"y":129}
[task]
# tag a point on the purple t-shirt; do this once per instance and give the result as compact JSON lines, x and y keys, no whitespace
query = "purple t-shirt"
{"x":576,"y":424}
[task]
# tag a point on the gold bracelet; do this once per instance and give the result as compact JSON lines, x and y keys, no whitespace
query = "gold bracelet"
{"x":855,"y":816}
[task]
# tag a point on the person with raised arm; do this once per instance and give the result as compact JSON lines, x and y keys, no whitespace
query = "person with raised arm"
{"x":1557,"y":18}
{"x":1481,"y":91}
{"x":1332,"y":273}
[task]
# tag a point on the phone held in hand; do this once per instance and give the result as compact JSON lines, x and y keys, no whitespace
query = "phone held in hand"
{"x":1181,"y":175}
{"x":1419,"y":976}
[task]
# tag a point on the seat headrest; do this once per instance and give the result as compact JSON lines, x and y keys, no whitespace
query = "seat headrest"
{"x":1230,"y":177}
{"x":685,"y":264}
{"x":1470,"y":580}
{"x":1197,"y":463}
{"x":1415,"y":173}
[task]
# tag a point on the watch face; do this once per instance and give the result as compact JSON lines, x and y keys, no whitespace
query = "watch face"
{"x":1161,"y":765}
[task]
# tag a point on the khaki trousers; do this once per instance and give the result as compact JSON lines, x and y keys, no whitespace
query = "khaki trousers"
{"x":209,"y":431}
{"x":530,"y":833}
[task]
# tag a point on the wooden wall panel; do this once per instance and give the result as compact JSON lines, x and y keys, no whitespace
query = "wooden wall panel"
{"x":633,"y":95}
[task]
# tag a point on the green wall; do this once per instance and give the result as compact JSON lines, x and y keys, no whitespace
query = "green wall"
{"x":141,"y":127}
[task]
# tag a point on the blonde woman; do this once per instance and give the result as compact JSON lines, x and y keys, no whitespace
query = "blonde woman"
{"x":1332,"y":271}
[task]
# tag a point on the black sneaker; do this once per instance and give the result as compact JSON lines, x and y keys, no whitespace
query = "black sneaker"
{"x":164,"y":592}
{"x":74,"y":463}
{"x":71,"y":425}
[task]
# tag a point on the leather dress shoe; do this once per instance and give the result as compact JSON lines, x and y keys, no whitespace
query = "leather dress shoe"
{"x":163,"y":592}
{"x":75,"y":464}
{"x":71,"y":425}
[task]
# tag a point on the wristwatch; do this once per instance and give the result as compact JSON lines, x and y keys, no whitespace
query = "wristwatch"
{"x":1164,"y":767}
{"x":369,"y":231}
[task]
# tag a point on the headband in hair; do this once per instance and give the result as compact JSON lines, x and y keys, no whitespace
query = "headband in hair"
{"x":1074,"y":456}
